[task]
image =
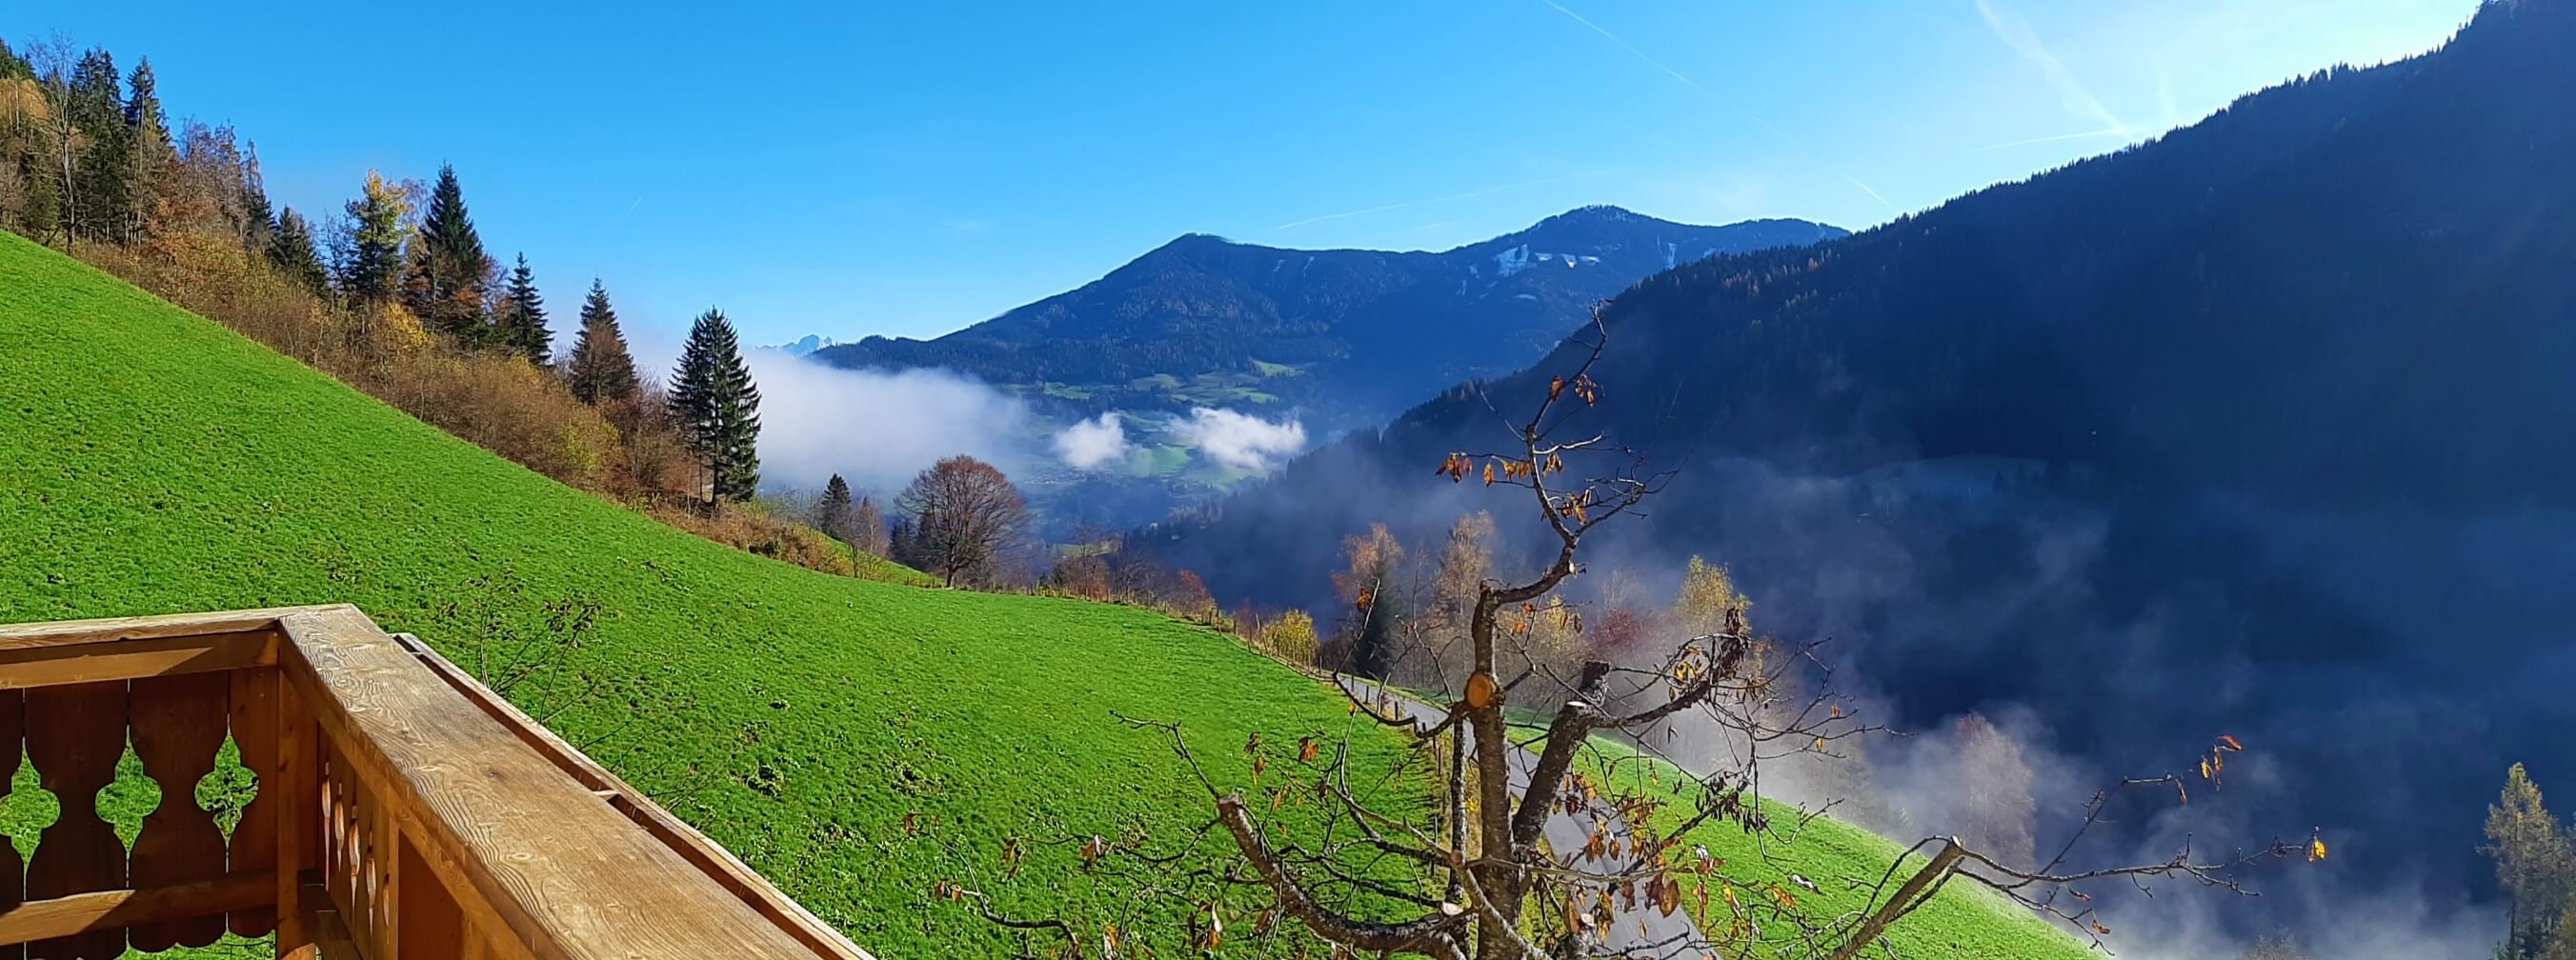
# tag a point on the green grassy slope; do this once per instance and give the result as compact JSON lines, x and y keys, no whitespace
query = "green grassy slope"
{"x":854,"y":741}
{"x":1964,"y":922}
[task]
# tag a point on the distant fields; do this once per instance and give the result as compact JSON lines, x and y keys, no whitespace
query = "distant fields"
{"x":855,"y":741}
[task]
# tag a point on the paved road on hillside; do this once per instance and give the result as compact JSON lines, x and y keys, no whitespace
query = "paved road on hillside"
{"x":1644,"y":931}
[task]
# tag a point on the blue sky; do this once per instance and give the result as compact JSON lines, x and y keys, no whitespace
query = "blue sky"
{"x":910,"y":169}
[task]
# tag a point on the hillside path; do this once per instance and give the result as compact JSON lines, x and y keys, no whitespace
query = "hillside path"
{"x":1643,"y":932}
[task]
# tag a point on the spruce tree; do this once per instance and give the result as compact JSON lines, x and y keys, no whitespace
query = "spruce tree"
{"x":290,"y":250}
{"x":717,"y":408}
{"x":601,"y":371}
{"x":150,"y":159}
{"x":833,"y":515}
{"x":258,"y":224}
{"x":97,"y":112}
{"x":447,"y":278}
{"x":521,"y":325}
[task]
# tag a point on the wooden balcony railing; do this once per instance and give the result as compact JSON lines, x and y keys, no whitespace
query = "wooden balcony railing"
{"x":404,"y":812}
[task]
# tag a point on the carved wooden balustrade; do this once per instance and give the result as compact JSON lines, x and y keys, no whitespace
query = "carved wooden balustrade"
{"x":402,"y":811}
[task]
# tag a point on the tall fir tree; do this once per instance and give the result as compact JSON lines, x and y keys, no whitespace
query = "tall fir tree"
{"x":369,"y":259}
{"x":290,"y":250}
{"x":96,"y":109}
{"x":449,"y":274}
{"x":600,"y":370}
{"x":717,"y":408}
{"x":521,"y":324}
{"x":258,"y":223}
{"x":150,"y":158}
{"x":833,"y":515}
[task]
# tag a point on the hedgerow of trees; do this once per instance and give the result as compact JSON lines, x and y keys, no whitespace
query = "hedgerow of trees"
{"x":395,"y":295}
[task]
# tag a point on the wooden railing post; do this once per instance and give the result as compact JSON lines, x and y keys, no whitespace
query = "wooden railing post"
{"x":299,"y":821}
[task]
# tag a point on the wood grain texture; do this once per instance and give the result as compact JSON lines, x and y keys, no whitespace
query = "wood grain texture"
{"x":565,"y":874}
{"x":693,"y":846}
{"x":69,"y":916}
{"x":432,"y":926}
{"x":331,"y":936}
{"x":296,"y":785}
{"x":13,"y":879}
{"x":27,"y":667}
{"x":75,"y":735}
{"x":253,"y":845}
{"x":179,"y":724}
{"x":118,"y":629}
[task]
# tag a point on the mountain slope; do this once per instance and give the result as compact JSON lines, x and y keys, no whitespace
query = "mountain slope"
{"x":854,"y":741}
{"x":857,"y":742}
{"x":2261,"y":424}
{"x":1344,"y":335}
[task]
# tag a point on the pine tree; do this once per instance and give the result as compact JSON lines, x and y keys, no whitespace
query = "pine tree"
{"x":290,"y":250}
{"x":717,"y":408}
{"x":369,"y":258}
{"x":833,"y":515}
{"x":149,"y":156}
{"x":258,"y":223}
{"x":521,"y":325}
{"x":601,"y":371}
{"x":449,"y":273}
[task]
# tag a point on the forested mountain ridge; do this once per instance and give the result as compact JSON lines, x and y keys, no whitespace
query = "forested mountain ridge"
{"x":2261,"y":423}
{"x":1347,"y":336}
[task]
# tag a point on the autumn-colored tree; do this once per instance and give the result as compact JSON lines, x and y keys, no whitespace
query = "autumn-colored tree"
{"x":1708,"y":602}
{"x":368,"y":259}
{"x":1368,"y":582}
{"x":964,"y":515}
{"x":1291,"y":635}
{"x":2533,"y":863}
{"x":1083,"y":575}
{"x":1190,"y":597}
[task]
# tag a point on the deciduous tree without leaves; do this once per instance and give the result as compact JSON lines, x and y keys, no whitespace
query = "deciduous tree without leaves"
{"x":964,"y":514}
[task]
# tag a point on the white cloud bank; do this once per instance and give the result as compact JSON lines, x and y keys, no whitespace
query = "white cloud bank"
{"x":1241,"y":441}
{"x":875,"y":429}
{"x":1092,"y":442}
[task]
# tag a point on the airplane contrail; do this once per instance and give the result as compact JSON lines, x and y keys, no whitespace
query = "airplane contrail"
{"x":1670,"y":72}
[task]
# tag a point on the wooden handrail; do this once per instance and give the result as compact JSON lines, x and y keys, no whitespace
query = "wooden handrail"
{"x":409,"y":813}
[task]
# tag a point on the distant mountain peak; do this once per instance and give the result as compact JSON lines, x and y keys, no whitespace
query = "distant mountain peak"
{"x":805,"y":345}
